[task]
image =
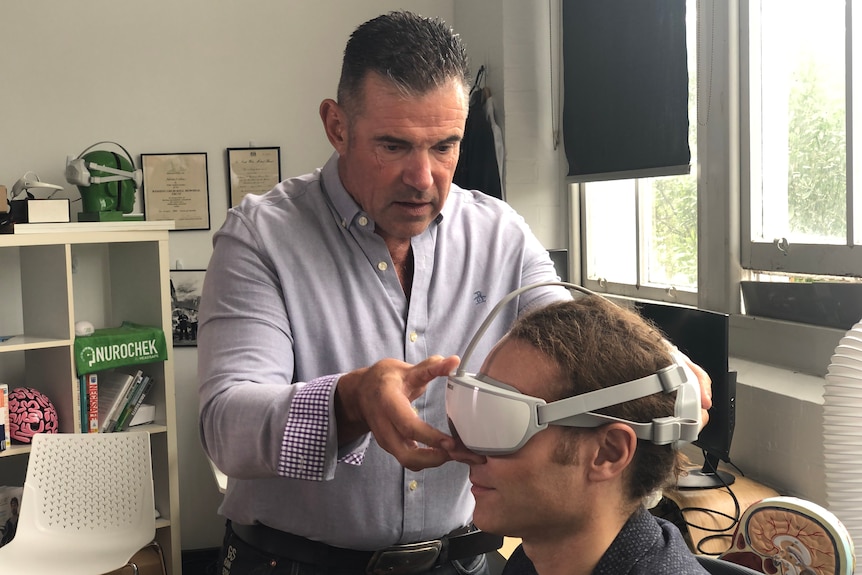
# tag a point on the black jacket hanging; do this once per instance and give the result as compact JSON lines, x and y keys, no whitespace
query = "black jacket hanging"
{"x":477,"y":167}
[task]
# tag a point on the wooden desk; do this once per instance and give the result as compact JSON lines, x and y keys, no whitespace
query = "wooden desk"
{"x":691,"y":509}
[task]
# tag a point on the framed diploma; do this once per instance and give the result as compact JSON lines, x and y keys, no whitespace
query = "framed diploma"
{"x":176,"y":187}
{"x":252,"y":171}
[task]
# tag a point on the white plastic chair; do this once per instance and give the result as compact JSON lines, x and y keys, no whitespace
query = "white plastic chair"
{"x":220,"y":477}
{"x":87,"y":505}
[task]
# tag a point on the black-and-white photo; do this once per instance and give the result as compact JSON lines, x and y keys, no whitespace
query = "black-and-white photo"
{"x":186,"y":286}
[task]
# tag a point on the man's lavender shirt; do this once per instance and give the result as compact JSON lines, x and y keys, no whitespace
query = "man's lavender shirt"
{"x":299,"y":290}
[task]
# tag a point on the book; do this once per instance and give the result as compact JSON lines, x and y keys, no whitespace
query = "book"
{"x":139,"y":400}
{"x":5,"y":432}
{"x":127,"y":400}
{"x":129,"y":406}
{"x":114,"y":389}
{"x":83,"y":402}
{"x":92,"y":403}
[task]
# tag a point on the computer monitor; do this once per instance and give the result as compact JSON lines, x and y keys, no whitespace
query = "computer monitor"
{"x":703,"y":336}
{"x":560,"y":257}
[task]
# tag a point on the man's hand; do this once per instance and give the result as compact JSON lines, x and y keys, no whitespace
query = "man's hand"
{"x":705,"y":390}
{"x":377,"y":399}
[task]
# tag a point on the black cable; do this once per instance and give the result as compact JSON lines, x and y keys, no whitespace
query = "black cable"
{"x":717,"y":533}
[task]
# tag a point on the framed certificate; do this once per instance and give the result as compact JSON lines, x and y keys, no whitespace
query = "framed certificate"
{"x":252,"y":171}
{"x":176,"y":187}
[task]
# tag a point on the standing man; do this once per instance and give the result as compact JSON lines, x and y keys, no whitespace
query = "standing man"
{"x":334,"y":303}
{"x":331,"y":308}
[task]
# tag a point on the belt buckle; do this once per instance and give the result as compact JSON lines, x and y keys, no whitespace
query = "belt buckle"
{"x":405,"y":559}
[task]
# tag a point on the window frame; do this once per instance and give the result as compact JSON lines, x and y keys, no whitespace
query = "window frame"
{"x":768,"y":256}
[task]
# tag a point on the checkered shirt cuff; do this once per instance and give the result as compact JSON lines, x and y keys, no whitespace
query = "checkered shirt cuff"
{"x":303,"y":446}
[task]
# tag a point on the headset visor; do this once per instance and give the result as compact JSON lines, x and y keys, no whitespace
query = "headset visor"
{"x":490,"y":418}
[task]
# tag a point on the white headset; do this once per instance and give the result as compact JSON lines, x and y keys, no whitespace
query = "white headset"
{"x":493,"y":418}
{"x":78,"y":169}
{"x":28,"y":181}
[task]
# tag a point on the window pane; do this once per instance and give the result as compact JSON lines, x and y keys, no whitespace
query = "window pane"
{"x":670,"y":237}
{"x":802,"y":122}
{"x":611,"y":231}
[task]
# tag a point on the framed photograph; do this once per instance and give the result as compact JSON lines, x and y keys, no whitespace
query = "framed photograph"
{"x":176,"y":187}
{"x":252,"y":171}
{"x":186,"y":286}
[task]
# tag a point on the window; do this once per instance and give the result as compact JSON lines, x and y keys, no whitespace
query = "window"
{"x":640,"y":235}
{"x":797,"y":174}
{"x":803,"y":225}
{"x":776,"y":199}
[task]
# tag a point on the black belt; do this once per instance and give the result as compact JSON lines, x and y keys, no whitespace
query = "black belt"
{"x":395,"y":560}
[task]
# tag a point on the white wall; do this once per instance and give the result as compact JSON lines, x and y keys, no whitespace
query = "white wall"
{"x":513,"y":39}
{"x":200,"y":76}
{"x":164,"y":76}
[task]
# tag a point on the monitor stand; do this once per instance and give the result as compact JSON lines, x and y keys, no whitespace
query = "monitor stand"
{"x":707,"y":477}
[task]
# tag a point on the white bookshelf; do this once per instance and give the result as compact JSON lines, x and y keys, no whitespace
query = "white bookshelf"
{"x":52,"y":275}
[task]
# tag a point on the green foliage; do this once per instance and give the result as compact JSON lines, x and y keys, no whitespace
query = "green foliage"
{"x":674,"y":241}
{"x":674,"y":216}
{"x":816,"y":181}
{"x":816,"y":186}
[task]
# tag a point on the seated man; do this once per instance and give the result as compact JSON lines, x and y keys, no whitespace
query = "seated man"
{"x":573,"y":490}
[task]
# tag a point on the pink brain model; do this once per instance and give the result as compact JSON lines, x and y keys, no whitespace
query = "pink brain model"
{"x":30,"y":412}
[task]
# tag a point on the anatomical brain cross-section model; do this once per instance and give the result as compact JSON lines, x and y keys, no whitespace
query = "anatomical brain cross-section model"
{"x":790,"y":536}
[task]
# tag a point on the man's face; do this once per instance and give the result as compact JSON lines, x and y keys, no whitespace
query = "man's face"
{"x":399,"y":154}
{"x":527,"y":494}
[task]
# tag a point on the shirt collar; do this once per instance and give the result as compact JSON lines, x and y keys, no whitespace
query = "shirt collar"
{"x":347,"y":208}
{"x":638,"y":535}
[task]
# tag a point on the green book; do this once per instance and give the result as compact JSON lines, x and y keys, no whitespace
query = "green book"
{"x":84,"y":401}
{"x":134,"y":403}
{"x":114,"y":389}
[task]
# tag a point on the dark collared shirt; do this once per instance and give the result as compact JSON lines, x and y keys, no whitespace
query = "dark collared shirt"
{"x":646,"y":545}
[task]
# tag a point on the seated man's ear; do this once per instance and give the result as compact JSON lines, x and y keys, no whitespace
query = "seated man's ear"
{"x":612,"y":450}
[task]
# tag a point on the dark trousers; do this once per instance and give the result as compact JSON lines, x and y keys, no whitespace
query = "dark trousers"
{"x":239,"y":558}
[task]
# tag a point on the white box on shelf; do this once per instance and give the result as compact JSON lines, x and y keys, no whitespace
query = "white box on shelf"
{"x":41,"y":211}
{"x":146,"y":414}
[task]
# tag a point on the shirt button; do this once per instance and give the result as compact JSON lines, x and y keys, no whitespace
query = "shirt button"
{"x":382,"y":266}
{"x":412,"y":485}
{"x":413,"y":336}
{"x":363,"y":221}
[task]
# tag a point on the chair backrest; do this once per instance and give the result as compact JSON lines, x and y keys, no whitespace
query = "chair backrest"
{"x":718,"y":566}
{"x":87,"y":497}
{"x":220,"y":477}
